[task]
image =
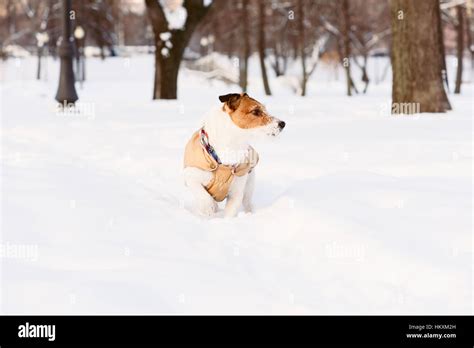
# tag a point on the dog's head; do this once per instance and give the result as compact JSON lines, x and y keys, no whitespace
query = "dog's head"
{"x":247,"y":113}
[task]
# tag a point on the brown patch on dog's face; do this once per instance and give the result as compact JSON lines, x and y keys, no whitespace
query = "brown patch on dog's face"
{"x":245,"y":112}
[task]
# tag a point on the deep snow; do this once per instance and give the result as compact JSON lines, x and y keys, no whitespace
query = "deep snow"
{"x":357,"y":212}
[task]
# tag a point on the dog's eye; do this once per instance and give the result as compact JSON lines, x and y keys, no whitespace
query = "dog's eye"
{"x":256,"y":112}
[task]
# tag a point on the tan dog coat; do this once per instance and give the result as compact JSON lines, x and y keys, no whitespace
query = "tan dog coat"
{"x":195,"y":155}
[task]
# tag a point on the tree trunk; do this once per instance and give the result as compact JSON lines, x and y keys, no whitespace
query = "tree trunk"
{"x":469,"y":37}
{"x":261,"y":46}
{"x":83,"y":59}
{"x":416,"y":59}
{"x":11,"y":17}
{"x":276,"y":66}
{"x":301,"y":47}
{"x":444,"y":70}
{"x":169,"y":65}
{"x":459,"y":47}
{"x":244,"y":61}
{"x":346,"y":45}
{"x":169,"y":52}
{"x":169,"y":80}
{"x":157,"y":80}
{"x":365,"y":76}
{"x":38,"y":70}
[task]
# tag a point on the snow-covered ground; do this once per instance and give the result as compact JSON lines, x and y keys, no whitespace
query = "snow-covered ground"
{"x":357,"y":212}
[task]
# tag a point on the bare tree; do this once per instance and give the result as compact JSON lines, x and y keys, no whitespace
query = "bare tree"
{"x":302,"y":43}
{"x":469,"y":36}
{"x":339,"y":27}
{"x":244,"y":59}
{"x":369,"y":27}
{"x":346,"y":48}
{"x":261,"y":45}
{"x":171,"y":41}
{"x":278,"y":40}
{"x":459,"y":46}
{"x":416,"y":56}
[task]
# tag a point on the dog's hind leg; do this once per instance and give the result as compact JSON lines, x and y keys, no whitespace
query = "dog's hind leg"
{"x":196,"y":179}
{"x":235,"y":196}
{"x":248,"y":192}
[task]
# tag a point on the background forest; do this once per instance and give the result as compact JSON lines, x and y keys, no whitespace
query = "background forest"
{"x":284,"y":34}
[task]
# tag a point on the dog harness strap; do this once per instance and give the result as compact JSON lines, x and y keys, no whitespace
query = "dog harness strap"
{"x":210,"y":150}
{"x":200,"y":154}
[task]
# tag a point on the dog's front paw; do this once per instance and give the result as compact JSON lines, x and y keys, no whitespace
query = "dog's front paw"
{"x":207,"y":208}
{"x":231,"y":211}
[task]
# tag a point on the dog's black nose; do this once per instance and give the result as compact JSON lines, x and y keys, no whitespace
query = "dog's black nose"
{"x":281,"y":124}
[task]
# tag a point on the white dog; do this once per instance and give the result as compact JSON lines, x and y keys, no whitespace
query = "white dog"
{"x":219,"y":162}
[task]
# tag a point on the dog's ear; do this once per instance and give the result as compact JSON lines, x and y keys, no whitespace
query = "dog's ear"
{"x":232,"y":100}
{"x":228,"y":97}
